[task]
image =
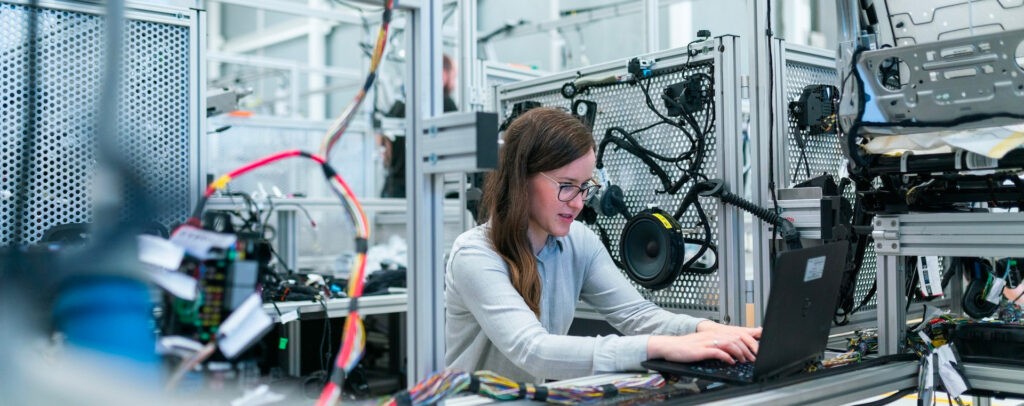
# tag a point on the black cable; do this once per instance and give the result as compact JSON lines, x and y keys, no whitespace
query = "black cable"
{"x":252,"y":212}
{"x":280,"y":259}
{"x":910,"y":267}
{"x":771,"y":131}
{"x":629,"y":137}
{"x":325,"y":362}
{"x":701,"y":138}
{"x":694,"y":155}
{"x":639,"y":152}
{"x":703,"y":219}
{"x":889,"y":399}
{"x":1020,"y":295}
{"x":802,"y":158}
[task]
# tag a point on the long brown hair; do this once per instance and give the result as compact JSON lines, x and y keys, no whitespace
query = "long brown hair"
{"x":541,"y":139}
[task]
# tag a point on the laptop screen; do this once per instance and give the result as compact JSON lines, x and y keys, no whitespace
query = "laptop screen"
{"x":802,"y":301}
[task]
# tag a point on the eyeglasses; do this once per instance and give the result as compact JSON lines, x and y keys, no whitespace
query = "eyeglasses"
{"x":567,"y":191}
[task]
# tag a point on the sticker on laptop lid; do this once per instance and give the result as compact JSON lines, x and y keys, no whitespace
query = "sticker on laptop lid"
{"x":815,"y":268}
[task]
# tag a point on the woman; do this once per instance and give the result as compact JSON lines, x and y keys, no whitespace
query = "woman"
{"x":512,"y":284}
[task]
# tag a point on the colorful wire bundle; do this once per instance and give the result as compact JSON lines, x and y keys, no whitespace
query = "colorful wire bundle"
{"x":447,"y":382}
{"x":354,"y":336}
{"x":845,"y":358}
{"x":354,"y":340}
{"x":338,"y":127}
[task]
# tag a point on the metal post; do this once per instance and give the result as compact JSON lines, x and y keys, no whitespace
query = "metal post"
{"x":215,"y":38}
{"x":956,"y":293}
{"x":731,"y":278}
{"x":293,"y":355}
{"x":316,"y":50}
{"x":892,"y":316}
{"x":424,"y":196}
{"x":650,"y":30}
{"x":848,"y":14}
{"x":470,"y":80}
{"x":293,"y":94}
{"x":286,"y":238}
{"x":197,"y":104}
{"x":759,"y":105}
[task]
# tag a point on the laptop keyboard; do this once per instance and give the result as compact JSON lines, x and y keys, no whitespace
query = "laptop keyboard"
{"x":741,"y":371}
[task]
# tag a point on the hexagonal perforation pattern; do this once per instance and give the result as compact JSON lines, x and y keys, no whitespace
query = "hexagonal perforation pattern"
{"x":823,"y":154}
{"x":623,"y":105}
{"x":153,"y":116}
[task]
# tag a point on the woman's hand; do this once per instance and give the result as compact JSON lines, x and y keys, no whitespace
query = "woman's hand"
{"x":711,"y":341}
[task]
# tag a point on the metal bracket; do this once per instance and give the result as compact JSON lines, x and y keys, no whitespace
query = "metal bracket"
{"x":811,"y":212}
{"x":886,"y":234}
{"x":949,"y":234}
{"x":464,"y":142}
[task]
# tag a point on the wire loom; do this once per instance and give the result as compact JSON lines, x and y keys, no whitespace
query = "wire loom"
{"x":442,"y":384}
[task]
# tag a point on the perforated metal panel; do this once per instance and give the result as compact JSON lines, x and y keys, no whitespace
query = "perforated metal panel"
{"x":623,"y":105}
{"x":153,"y":121}
{"x":822,"y":152}
{"x":496,"y":74}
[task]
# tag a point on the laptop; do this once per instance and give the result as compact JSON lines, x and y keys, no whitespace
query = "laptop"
{"x":797,"y":321}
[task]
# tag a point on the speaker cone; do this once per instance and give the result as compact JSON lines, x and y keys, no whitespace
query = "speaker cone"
{"x":652,"y":249}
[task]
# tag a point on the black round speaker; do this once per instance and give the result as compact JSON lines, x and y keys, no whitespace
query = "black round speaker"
{"x":652,"y":249}
{"x":974,"y":302}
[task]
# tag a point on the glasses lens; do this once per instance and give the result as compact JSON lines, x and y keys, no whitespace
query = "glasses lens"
{"x":568,"y":192}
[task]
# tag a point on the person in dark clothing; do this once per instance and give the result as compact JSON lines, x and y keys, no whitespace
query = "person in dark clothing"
{"x":394,"y":150}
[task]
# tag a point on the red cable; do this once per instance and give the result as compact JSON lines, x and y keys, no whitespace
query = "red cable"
{"x":254,"y":165}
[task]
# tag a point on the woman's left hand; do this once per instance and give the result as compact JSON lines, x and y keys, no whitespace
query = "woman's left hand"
{"x":747,"y":335}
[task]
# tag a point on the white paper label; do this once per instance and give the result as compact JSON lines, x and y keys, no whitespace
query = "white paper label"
{"x":175,"y":283}
{"x":995,"y":292}
{"x":243,"y":327}
{"x":199,"y":242}
{"x":289,"y":317}
{"x":159,"y":252}
{"x":815,"y":268}
{"x":929,"y":276}
{"x":951,"y":378}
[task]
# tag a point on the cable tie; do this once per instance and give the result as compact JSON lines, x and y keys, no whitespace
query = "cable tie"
{"x":541,"y":394}
{"x":361,"y":245}
{"x":609,"y":390}
{"x":403,"y":398}
{"x":474,"y":384}
{"x":522,"y":390}
{"x":353,"y":304}
{"x":329,"y":171}
{"x":369,"y":82}
{"x":338,"y":376}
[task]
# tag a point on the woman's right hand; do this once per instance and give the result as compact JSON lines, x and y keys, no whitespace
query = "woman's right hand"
{"x":727,"y":346}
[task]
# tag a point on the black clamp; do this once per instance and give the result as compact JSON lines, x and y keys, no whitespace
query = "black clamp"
{"x":403,"y":398}
{"x":474,"y":384}
{"x":609,"y":390}
{"x":541,"y":394}
{"x":338,"y":376}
